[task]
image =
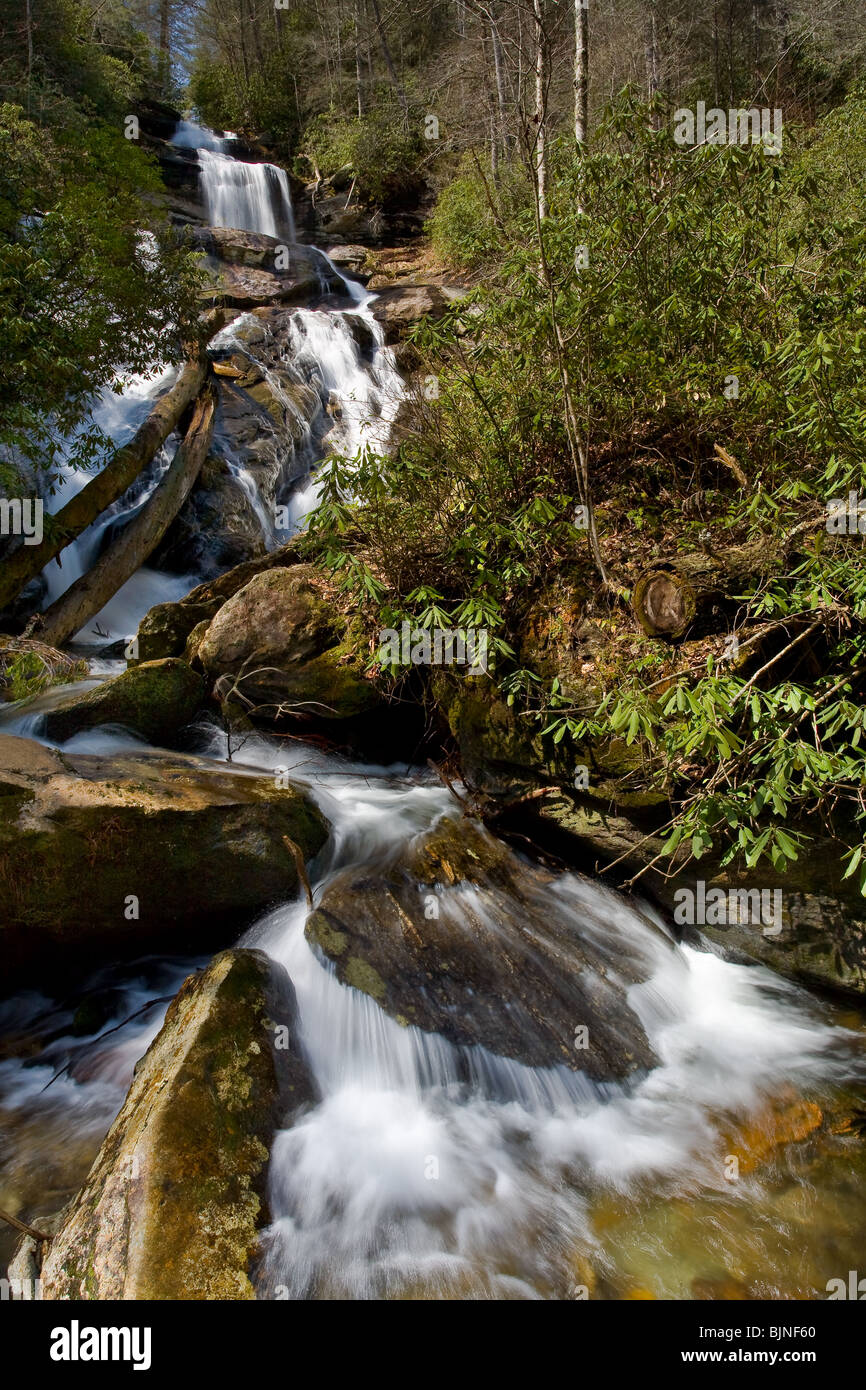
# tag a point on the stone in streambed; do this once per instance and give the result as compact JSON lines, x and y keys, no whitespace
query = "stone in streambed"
{"x":462,"y":938}
{"x":154,"y":699}
{"x":217,"y":527}
{"x":173,"y":1204}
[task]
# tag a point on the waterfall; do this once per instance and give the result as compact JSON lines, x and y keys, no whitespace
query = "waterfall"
{"x":251,"y":197}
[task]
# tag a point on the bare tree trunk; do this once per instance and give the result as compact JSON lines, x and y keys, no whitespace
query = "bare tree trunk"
{"x":164,"y":44}
{"x":652,"y":60}
{"x":581,"y":70}
{"x":499,"y":74}
{"x":540,"y":109}
{"x":28,"y":14}
{"x":389,"y":61}
{"x":84,"y":599}
{"x":358,"y":88}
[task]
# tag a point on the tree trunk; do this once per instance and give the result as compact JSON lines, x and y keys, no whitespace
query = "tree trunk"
{"x":122,"y":470}
{"x":84,"y":599}
{"x":581,"y":70}
{"x":389,"y":61}
{"x":695,"y":593}
{"x":499,"y":74}
{"x":164,"y":44}
{"x":652,"y":61}
{"x":358,"y":89}
{"x":540,"y":111}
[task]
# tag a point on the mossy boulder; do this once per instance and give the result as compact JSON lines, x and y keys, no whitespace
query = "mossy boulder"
{"x":460,"y":937}
{"x":138,"y":852}
{"x":282,"y":639}
{"x":174,"y":1202}
{"x":154,"y":699}
{"x":499,"y":752}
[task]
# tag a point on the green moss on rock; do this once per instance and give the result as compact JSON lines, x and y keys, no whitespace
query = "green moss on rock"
{"x":155,"y":699}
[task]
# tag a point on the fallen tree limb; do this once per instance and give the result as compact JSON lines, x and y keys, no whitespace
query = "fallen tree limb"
{"x":118,"y":474}
{"x":92,"y":591}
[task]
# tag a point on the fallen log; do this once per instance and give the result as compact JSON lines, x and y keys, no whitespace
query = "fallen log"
{"x":84,"y":599}
{"x":690,"y":593}
{"x":118,"y":474}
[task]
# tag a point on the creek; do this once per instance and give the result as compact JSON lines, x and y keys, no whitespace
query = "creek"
{"x":429,"y":1170}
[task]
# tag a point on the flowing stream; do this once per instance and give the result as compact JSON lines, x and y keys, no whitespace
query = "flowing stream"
{"x":427,"y":1170}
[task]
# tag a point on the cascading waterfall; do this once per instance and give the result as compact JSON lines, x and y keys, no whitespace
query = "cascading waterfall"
{"x":322,"y":351}
{"x":250,"y":197}
{"x":426,"y":1170}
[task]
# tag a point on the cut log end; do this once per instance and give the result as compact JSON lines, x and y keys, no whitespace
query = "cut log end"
{"x":664,"y":603}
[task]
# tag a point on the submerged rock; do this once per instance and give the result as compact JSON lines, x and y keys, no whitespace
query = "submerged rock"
{"x":174,"y":1201}
{"x":154,"y":699}
{"x":137,"y":852}
{"x":464,"y":939}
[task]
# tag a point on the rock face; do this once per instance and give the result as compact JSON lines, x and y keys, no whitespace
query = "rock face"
{"x":399,"y":308}
{"x":154,"y":699}
{"x":216,"y":528}
{"x":282,"y":637}
{"x":173,"y":1203}
{"x":250,"y":269}
{"x":138,"y":852}
{"x":460,"y":939}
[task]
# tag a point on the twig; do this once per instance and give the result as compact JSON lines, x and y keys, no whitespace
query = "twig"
{"x":22,"y":1226}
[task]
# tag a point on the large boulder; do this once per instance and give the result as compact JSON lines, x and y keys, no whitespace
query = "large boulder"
{"x":284,"y":643}
{"x":154,"y":699}
{"x":173,"y":1204}
{"x":138,"y":852}
{"x":164,"y":630}
{"x":463,"y":939}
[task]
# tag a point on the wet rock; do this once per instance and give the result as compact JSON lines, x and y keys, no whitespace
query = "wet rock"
{"x":250,"y":269}
{"x":134,"y":852}
{"x":822,"y":929}
{"x":154,"y":699}
{"x":216,"y":528}
{"x":283,"y":639}
{"x":462,"y":938}
{"x":173,"y":1204}
{"x":759,"y":1138}
{"x":350,"y":259}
